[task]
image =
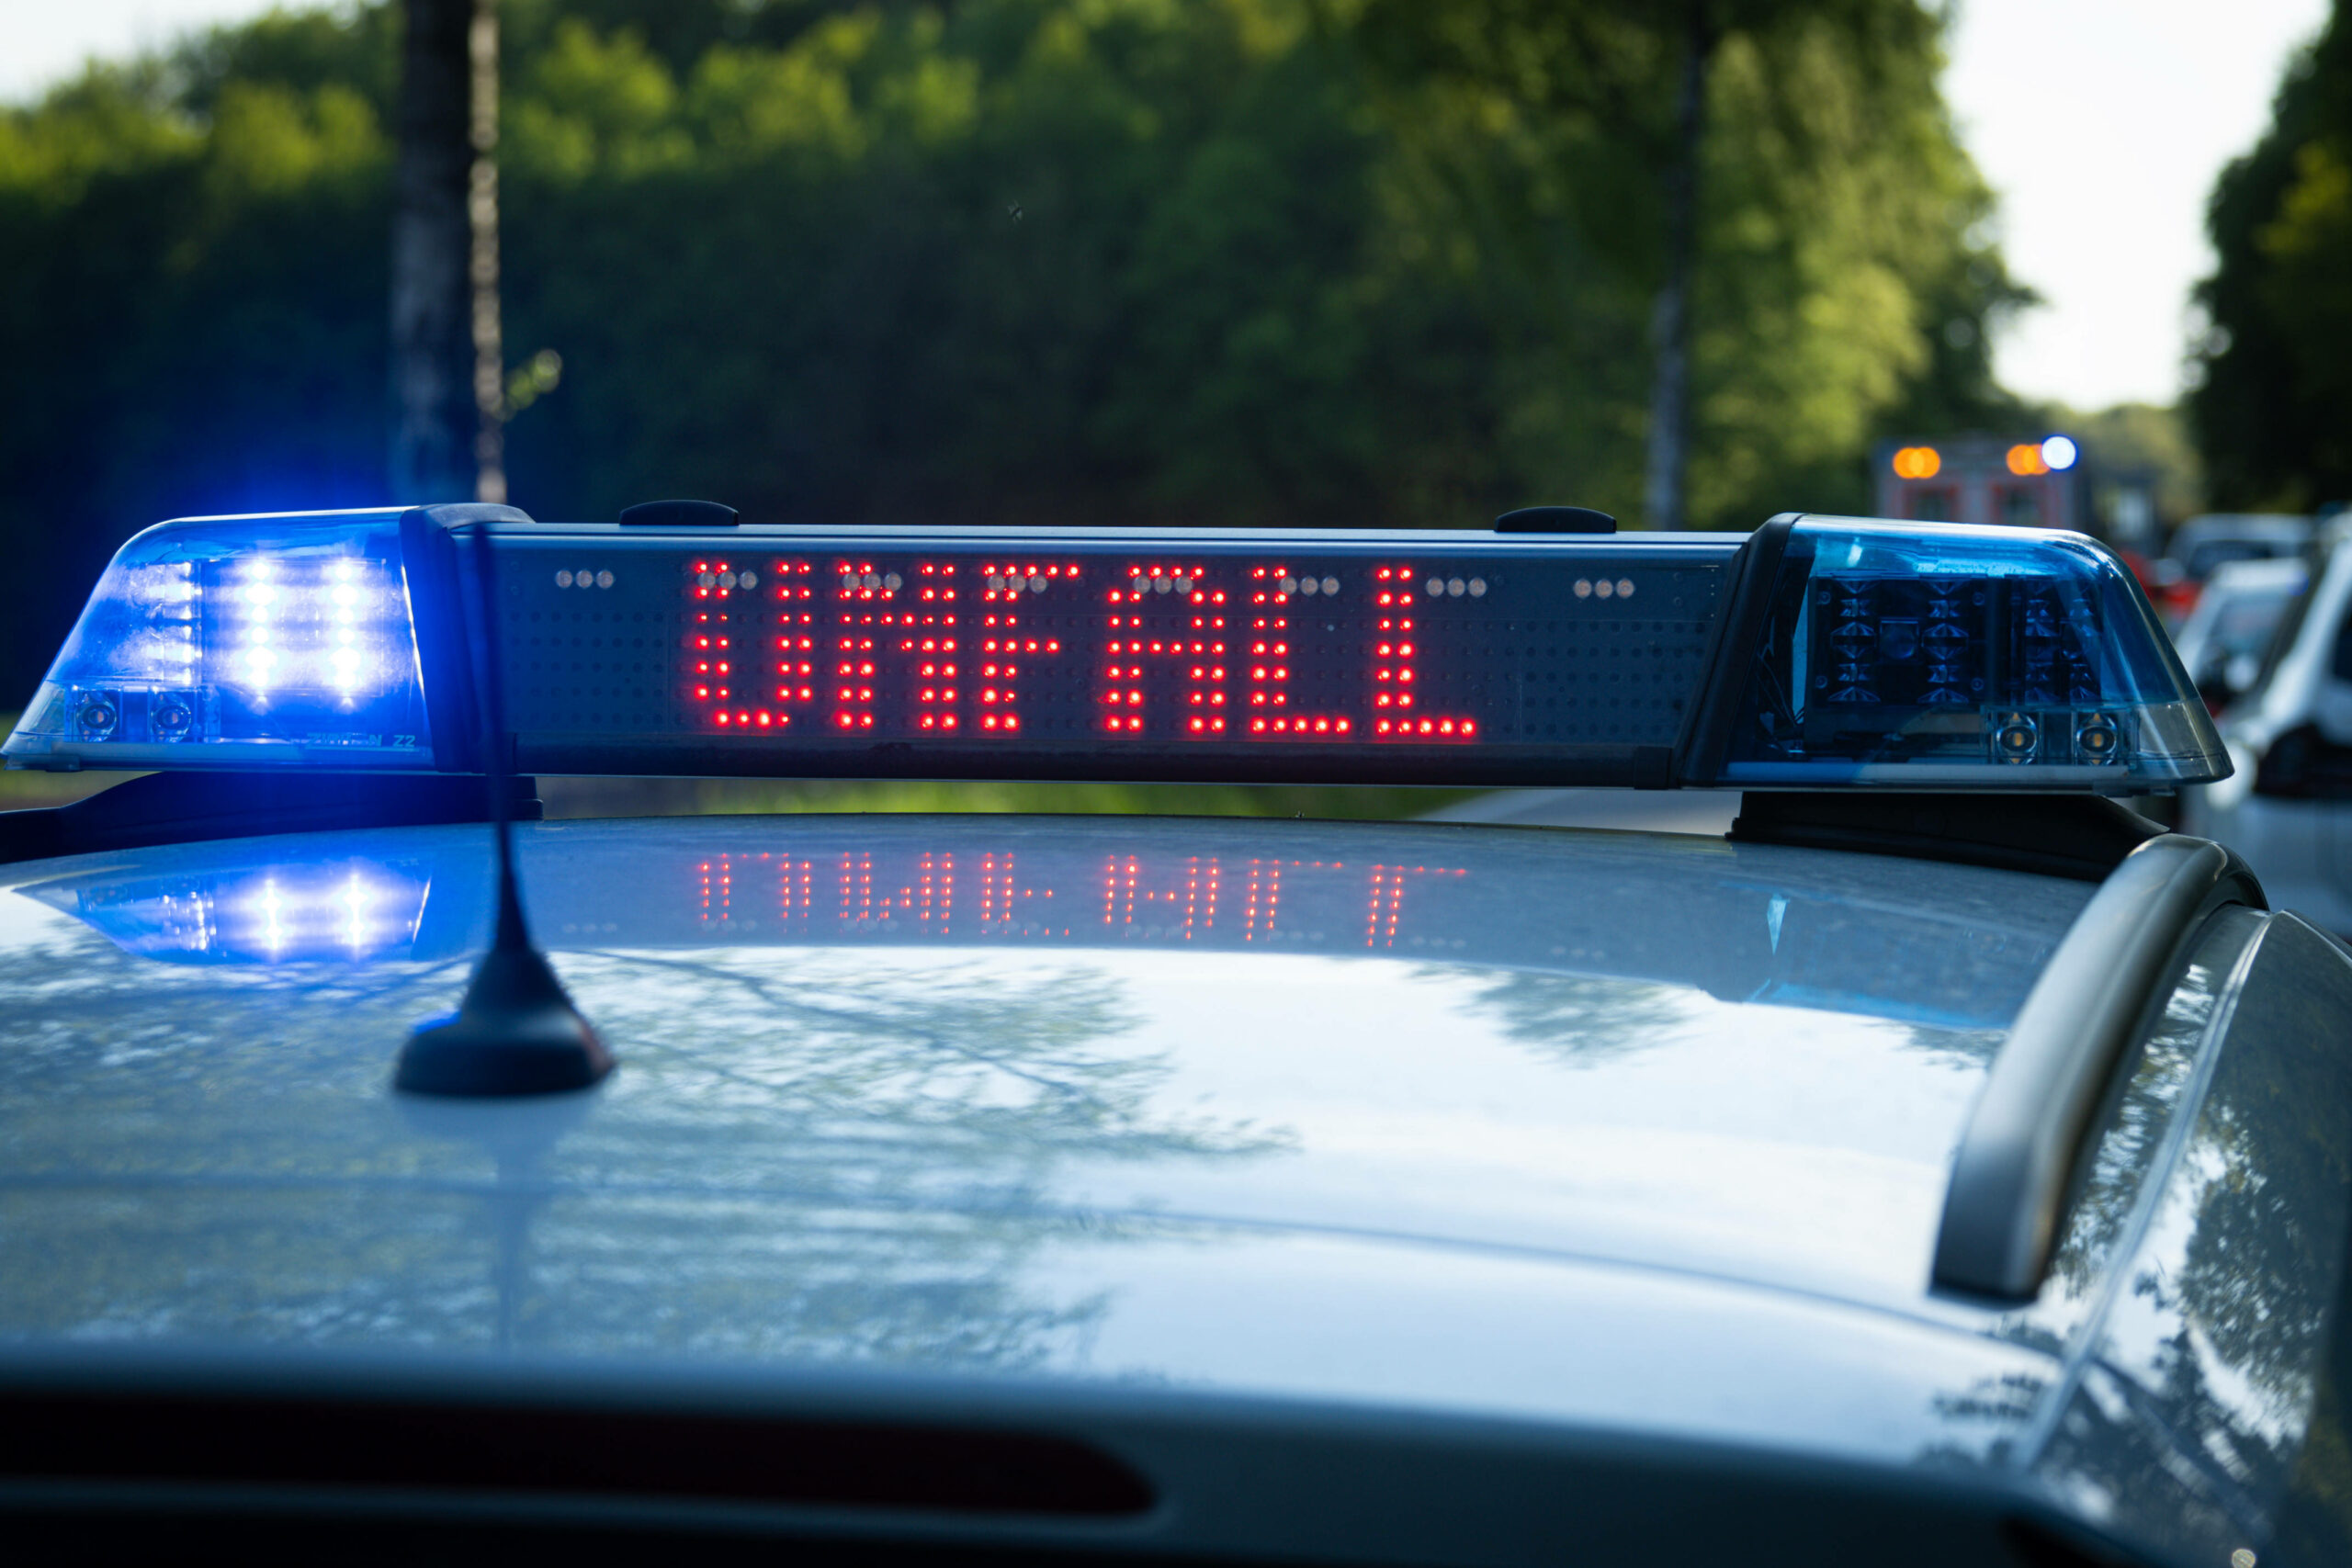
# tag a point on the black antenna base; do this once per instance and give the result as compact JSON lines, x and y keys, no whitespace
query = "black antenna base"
{"x":516,"y":1032}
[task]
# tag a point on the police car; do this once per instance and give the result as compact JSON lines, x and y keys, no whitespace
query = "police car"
{"x":1947,"y":1165}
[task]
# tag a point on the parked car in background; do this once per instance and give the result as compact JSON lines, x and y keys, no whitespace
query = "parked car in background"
{"x":2223,"y":643}
{"x":2288,"y":807}
{"x":2203,"y":545}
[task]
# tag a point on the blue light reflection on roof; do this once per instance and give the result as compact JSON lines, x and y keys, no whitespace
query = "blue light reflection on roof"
{"x":348,"y":910}
{"x":1952,"y":946}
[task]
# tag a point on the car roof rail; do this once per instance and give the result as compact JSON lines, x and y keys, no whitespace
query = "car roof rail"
{"x":2015,"y":1170}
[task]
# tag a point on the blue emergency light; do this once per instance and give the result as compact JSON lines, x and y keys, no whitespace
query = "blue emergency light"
{"x":1818,"y":651}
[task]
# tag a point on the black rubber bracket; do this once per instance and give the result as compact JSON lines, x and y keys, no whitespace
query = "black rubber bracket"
{"x":2080,"y":836}
{"x":1555,"y":520}
{"x":679,"y":514}
{"x":429,"y":556}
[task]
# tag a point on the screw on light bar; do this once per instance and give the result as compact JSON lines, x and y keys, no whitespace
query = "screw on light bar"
{"x":1817,"y":652}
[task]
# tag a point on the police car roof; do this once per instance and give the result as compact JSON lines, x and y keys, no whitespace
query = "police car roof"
{"x":1247,"y":1105}
{"x":1662,"y":1149}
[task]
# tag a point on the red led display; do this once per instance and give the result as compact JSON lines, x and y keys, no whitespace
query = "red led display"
{"x":1399,"y":713}
{"x":1271,"y":715}
{"x":1007,"y":648}
{"x":1000,"y":648}
{"x":744,"y":687}
{"x":864,"y":635}
{"x":1165,"y":654}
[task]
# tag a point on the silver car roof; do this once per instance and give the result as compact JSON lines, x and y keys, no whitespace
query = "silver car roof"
{"x":1363,"y":1112}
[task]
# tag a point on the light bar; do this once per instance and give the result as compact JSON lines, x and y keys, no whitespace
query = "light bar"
{"x":239,"y":642}
{"x":1817,"y":651}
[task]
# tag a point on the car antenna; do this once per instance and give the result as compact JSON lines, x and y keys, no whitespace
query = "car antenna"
{"x":515,"y":1032}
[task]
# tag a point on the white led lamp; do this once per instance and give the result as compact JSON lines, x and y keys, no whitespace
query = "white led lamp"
{"x":239,"y":642}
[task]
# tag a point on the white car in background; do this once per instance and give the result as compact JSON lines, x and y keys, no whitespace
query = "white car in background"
{"x":2288,"y":808}
{"x":2223,"y":643}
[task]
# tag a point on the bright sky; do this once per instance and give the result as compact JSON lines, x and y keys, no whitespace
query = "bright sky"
{"x":44,"y":40}
{"x":2101,"y":123}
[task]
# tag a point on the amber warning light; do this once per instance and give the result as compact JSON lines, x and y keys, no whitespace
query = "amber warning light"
{"x":1917,"y":463}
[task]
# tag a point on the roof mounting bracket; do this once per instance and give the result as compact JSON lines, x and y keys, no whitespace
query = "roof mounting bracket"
{"x":679,"y":514}
{"x":1555,"y":520}
{"x":2082,"y":836}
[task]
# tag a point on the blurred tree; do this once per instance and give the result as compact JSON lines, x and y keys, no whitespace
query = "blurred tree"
{"x":1824,"y":108}
{"x":194,"y":307}
{"x":1232,"y":262}
{"x":1669,"y":432}
{"x":1844,"y":250}
{"x":448,"y":378}
{"x":2272,"y":404}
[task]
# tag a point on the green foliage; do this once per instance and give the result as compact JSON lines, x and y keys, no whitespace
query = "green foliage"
{"x":1132,"y":261}
{"x":193,"y":310}
{"x":1843,"y":289}
{"x":1831,"y":266}
{"x":2273,"y":410}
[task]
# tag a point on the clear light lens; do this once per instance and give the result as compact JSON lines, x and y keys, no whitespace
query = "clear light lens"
{"x":239,"y":642}
{"x":2060,"y":452}
{"x":1938,"y":656}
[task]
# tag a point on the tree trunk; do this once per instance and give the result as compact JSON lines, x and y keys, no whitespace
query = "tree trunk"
{"x":445,"y":438}
{"x":1669,"y":446}
{"x":482,"y":270}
